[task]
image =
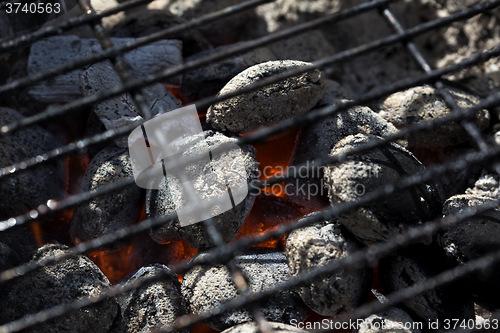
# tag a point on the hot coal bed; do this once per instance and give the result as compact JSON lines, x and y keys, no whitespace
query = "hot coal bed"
{"x":367,"y":134}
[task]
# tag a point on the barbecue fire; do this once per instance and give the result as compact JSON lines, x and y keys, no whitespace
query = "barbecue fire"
{"x":407,"y":198}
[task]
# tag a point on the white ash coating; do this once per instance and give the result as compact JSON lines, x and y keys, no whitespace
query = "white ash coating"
{"x":308,"y":46}
{"x":416,"y":265}
{"x":206,"y":287}
{"x":107,"y":213}
{"x":486,"y":186}
{"x":153,"y":307}
{"x":471,"y":239}
{"x":65,"y":282}
{"x":208,"y":80}
{"x":318,"y":245}
{"x":363,"y":173}
{"x":395,"y":320}
{"x":27,"y":190}
{"x":121,"y":111}
{"x":251,"y":327}
{"x":270,"y":105}
{"x":419,"y":104}
{"x":163,"y":202}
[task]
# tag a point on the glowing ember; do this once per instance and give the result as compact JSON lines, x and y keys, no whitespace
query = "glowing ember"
{"x":115,"y":265}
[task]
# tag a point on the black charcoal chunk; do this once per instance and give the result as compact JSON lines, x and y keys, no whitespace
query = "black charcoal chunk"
{"x":153,"y":307}
{"x":206,"y":287}
{"x":208,"y":80}
{"x":231,"y":168}
{"x":270,"y":105}
{"x":62,"y":283}
{"x":420,"y":104}
{"x":28,"y":189}
{"x":318,"y":245}
{"x":317,"y":141}
{"x":471,"y":239}
{"x":252,"y":327}
{"x":369,"y":171}
{"x":112,"y":211}
{"x":416,"y":265}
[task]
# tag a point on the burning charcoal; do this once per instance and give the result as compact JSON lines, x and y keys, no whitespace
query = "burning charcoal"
{"x":315,"y":246}
{"x":421,"y":104}
{"x":223,"y":31}
{"x":316,"y":141}
{"x":152,"y":307}
{"x":206,"y":287}
{"x":144,"y":22}
{"x":58,"y":50}
{"x":207,"y":81}
{"x":270,"y":105}
{"x":112,"y":211}
{"x":415,"y":265}
{"x":164,"y":201}
{"x":486,"y":186}
{"x":251,"y":327}
{"x":120,"y":111}
{"x":28,"y":189}
{"x":309,"y":46}
{"x":62,"y":283}
{"x":369,"y":171}
{"x":471,"y":239}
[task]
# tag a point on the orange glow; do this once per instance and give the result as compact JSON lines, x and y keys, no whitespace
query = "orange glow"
{"x":177,"y":94}
{"x":269,"y":212}
{"x":115,"y":265}
{"x":273,"y":157}
{"x":201,"y":328}
{"x":37,"y":231}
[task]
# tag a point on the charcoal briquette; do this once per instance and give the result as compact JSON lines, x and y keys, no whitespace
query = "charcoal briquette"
{"x":270,"y":105}
{"x":369,"y":171}
{"x":112,"y":211}
{"x":206,"y":287}
{"x":316,"y":246}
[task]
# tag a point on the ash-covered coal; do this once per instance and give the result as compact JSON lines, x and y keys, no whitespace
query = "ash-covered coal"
{"x":415,"y":265}
{"x":420,"y":104}
{"x":471,"y":239}
{"x":153,"y":307}
{"x":270,"y":105}
{"x":112,"y":211}
{"x":61,"y":283}
{"x":318,"y":245}
{"x":206,"y":287}
{"x":369,"y":171}
{"x":164,"y":201}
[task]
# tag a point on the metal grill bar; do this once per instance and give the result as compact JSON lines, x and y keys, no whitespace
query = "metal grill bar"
{"x":9,"y":45}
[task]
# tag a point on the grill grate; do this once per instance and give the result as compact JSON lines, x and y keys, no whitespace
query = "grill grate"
{"x":224,"y":252}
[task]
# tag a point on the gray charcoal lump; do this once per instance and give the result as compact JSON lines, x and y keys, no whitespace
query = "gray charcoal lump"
{"x":62,"y":283}
{"x":369,"y":171}
{"x":206,"y":287}
{"x":163,"y":201}
{"x":471,"y":239}
{"x":415,"y":265}
{"x":318,"y":245}
{"x":251,"y":327}
{"x":317,"y":140}
{"x":270,"y":105}
{"x":107,"y":213}
{"x":153,"y":307}
{"x":486,"y":186}
{"x":423,"y":103}
{"x":27,"y":190}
